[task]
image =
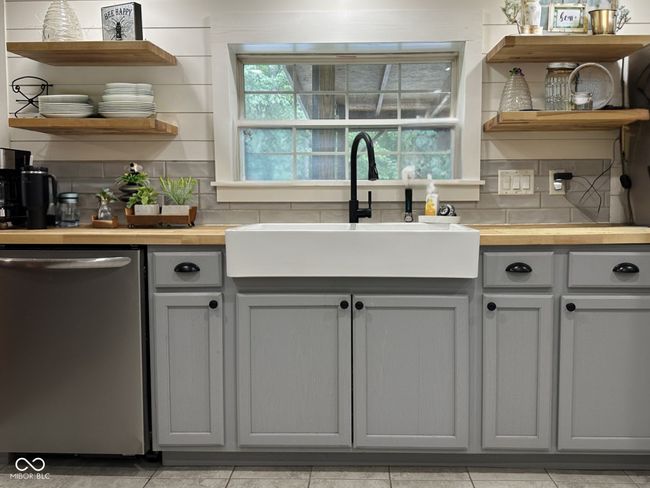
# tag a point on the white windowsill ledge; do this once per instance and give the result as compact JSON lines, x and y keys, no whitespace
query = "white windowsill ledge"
{"x":339,"y":191}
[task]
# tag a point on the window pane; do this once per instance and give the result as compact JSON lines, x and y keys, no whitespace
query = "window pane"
{"x":265,"y":167}
{"x":320,"y":140}
{"x":436,"y":165}
{"x":267,"y":77}
{"x":317,"y":167}
{"x":425,"y":105}
{"x":427,"y":77}
{"x":383,"y":140}
{"x":261,"y":158}
{"x":320,"y":77}
{"x":267,"y":140}
{"x":321,"y":107}
{"x":373,"y":106}
{"x":373,"y":77}
{"x":426,"y":140}
{"x":269,"y":107}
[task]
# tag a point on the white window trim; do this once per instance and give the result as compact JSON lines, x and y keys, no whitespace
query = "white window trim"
{"x":234,"y":32}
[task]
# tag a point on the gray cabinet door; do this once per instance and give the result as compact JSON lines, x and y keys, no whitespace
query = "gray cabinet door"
{"x":293,"y":370}
{"x":605,"y":373}
{"x":517,"y":371}
{"x":188,"y":369}
{"x":411,"y":372}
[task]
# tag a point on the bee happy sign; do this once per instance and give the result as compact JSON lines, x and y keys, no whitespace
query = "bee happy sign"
{"x":122,"y":22}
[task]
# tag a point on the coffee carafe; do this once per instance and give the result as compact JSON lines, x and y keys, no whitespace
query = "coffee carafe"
{"x":36,"y":195}
{"x":12,"y":211}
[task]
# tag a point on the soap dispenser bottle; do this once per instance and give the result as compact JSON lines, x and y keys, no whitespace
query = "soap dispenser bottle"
{"x":431,"y":201}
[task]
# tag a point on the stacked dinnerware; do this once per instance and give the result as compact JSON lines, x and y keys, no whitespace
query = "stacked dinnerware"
{"x":127,"y":100}
{"x":65,"y":106}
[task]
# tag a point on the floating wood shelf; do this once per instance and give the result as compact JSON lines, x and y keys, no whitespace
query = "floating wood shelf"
{"x":553,"y":48}
{"x":95,"y":126}
{"x":564,"y":121}
{"x":94,"y":53}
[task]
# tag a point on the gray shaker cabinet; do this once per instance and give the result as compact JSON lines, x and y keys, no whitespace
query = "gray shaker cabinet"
{"x":604,"y":373}
{"x":411,"y":371}
{"x":517,"y":371}
{"x":188,"y":357}
{"x":294,"y":370}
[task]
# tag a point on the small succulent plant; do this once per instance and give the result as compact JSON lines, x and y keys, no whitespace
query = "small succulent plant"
{"x":106,"y":196}
{"x":144,"y":196}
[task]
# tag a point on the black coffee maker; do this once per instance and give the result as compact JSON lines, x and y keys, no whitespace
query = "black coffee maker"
{"x":37,"y":197}
{"x":12,"y":211}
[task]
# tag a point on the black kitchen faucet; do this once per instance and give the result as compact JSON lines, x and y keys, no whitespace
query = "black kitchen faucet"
{"x":357,"y":213}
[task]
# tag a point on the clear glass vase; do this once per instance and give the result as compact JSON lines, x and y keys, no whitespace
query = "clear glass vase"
{"x":104,"y":212}
{"x":61,"y":23}
{"x":516,"y":94}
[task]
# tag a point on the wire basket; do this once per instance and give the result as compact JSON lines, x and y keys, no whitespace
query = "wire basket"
{"x":593,"y":78}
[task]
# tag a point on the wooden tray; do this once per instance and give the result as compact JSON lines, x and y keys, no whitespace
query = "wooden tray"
{"x":105,"y":224}
{"x":160,"y":220}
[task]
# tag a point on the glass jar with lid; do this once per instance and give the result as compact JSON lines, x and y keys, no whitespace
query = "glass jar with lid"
{"x":558,"y":91}
{"x":68,"y":214}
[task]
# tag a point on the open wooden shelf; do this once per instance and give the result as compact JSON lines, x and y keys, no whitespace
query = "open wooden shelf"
{"x":95,"y":126}
{"x":571,"y":48}
{"x":94,"y":53}
{"x":564,"y":121}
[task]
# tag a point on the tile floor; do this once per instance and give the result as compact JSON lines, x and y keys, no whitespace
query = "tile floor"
{"x":122,"y":474}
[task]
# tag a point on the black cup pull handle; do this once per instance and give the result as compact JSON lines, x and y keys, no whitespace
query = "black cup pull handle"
{"x":519,"y":268}
{"x":187,"y":268}
{"x":344,"y":304}
{"x":213,"y":304}
{"x":626,"y":268}
{"x":571,"y":307}
{"x":491,"y":306}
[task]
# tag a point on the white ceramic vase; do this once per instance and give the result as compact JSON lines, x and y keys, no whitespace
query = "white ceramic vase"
{"x":533,"y":13}
{"x":61,"y":23}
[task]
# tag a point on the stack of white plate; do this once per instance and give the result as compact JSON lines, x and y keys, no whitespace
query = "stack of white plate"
{"x":127,"y":100}
{"x":65,"y":106}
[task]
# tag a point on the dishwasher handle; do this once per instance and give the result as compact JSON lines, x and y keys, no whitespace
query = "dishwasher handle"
{"x":64,"y":263}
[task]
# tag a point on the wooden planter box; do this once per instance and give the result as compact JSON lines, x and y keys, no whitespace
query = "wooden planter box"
{"x":160,"y":220}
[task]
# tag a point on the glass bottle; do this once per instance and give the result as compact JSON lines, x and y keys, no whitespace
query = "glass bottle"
{"x":104,"y":212}
{"x":68,"y":214}
{"x":558,"y":91}
{"x":61,"y":23}
{"x":516,"y":94}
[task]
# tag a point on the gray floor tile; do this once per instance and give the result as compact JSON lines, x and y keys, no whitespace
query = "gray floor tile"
{"x":102,"y":482}
{"x":350,"y":473}
{"x":639,"y":476}
{"x":266,"y":483}
{"x":221,"y":472}
{"x":349,"y":484}
{"x":501,"y":474}
{"x":589,"y":476}
{"x":431,"y":484}
{"x":419,"y":473}
{"x":587,"y":484}
{"x":514,"y":484}
{"x":271,"y":472}
{"x":132,"y":471}
{"x":52,"y":482}
{"x":186,"y":483}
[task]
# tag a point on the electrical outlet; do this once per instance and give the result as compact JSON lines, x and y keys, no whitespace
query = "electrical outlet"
{"x":516,"y":182}
{"x":551,"y":181}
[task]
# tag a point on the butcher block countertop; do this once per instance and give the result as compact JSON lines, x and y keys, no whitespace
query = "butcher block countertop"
{"x":491,"y":235}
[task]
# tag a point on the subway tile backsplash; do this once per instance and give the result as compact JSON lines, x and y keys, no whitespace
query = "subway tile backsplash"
{"x":88,"y":177}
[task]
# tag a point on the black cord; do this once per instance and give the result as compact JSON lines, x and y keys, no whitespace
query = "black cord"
{"x":592,"y":186}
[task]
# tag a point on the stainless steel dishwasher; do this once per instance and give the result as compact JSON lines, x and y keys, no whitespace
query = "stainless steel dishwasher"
{"x":72,"y":352}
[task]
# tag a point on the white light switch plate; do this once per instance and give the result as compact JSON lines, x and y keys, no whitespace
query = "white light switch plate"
{"x":516,"y":182}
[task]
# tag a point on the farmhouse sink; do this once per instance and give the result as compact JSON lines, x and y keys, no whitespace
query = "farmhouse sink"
{"x":400,"y":250}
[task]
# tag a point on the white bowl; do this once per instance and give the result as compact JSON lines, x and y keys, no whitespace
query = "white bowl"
{"x":63,"y":98}
{"x":128,"y":98}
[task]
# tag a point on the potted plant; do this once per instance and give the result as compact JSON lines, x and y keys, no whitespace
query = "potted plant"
{"x":144,"y":201}
{"x":130,"y":181}
{"x":180,"y":192}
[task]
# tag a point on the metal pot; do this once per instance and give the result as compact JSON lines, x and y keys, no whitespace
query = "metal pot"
{"x":603,"y":21}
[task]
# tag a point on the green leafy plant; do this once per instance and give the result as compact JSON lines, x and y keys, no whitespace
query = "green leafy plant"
{"x":134,"y":178}
{"x":622,"y":17}
{"x":179,"y":191}
{"x":512,"y":9}
{"x":106,"y":196}
{"x":144,"y":196}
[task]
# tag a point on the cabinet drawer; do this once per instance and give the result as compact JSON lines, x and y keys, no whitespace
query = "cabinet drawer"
{"x":187,"y":269}
{"x":609,"y":269}
{"x":517,"y":269}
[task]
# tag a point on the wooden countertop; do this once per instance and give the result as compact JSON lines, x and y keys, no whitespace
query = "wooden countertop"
{"x":491,"y":235}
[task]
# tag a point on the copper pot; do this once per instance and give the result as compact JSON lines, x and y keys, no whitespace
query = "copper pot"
{"x":603,"y":21}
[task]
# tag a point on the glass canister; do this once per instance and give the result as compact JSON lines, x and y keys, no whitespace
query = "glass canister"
{"x":516,"y":94}
{"x":558,"y":92}
{"x":68,"y":214}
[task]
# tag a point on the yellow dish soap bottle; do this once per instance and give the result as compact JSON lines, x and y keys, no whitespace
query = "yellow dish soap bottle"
{"x":431,"y":201}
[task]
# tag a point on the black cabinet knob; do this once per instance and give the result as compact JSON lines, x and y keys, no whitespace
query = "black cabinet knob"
{"x":571,"y":307}
{"x":187,"y":268}
{"x":214,"y":304}
{"x":626,"y":268}
{"x":491,"y":306}
{"x":345,"y":304}
{"x":519,"y":268}
{"x":358,"y":305}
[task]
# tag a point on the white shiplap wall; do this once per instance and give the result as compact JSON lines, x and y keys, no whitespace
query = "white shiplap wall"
{"x":184,"y":92}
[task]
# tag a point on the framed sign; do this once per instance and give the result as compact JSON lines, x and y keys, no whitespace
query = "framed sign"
{"x":567,"y":17}
{"x":122,"y":22}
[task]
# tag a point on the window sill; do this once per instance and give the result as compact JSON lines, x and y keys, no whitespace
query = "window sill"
{"x":339,"y":191}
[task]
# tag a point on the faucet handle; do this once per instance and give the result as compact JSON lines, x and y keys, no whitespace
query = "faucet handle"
{"x":369,"y":200}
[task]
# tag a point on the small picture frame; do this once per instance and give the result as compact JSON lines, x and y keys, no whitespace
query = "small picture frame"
{"x":568,"y":17}
{"x":122,"y":22}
